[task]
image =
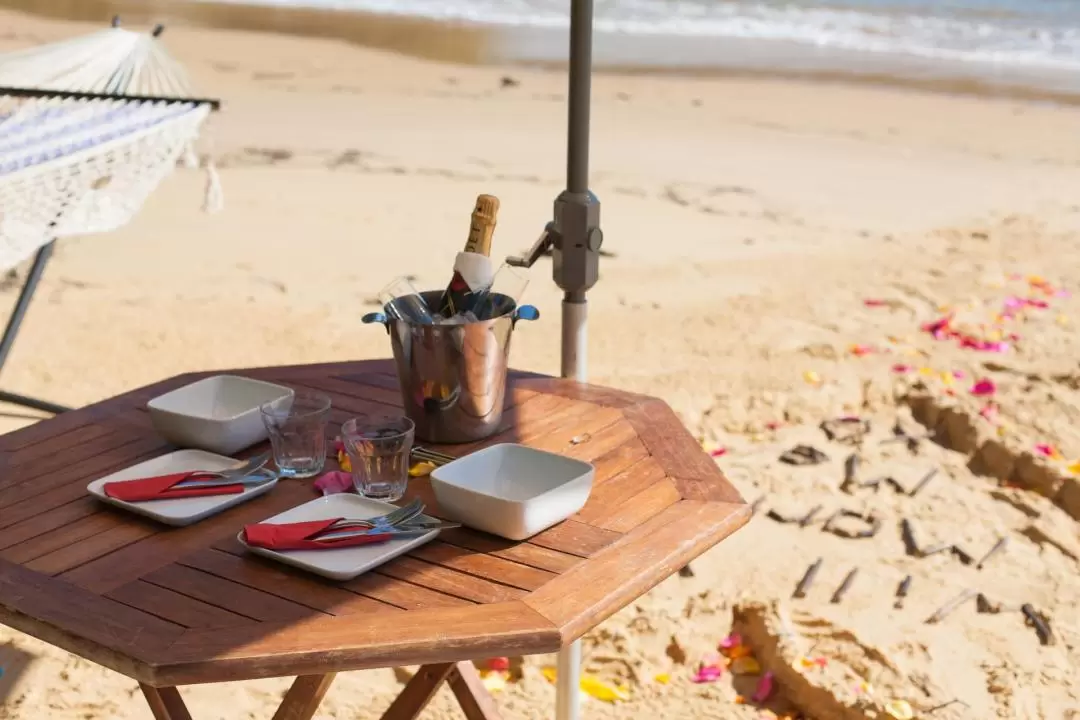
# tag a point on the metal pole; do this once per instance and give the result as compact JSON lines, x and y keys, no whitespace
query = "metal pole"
{"x":575,"y":310}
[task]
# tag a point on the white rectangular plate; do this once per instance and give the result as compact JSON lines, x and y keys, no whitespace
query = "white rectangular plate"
{"x":340,"y":563}
{"x":179,"y":511}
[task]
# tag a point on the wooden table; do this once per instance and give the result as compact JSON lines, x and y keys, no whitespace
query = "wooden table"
{"x":180,"y":606}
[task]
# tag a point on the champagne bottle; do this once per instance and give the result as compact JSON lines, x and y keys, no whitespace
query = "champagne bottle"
{"x":472,"y":267}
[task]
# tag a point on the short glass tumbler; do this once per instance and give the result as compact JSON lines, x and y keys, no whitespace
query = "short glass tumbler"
{"x":378,"y":449}
{"x":297,"y":428}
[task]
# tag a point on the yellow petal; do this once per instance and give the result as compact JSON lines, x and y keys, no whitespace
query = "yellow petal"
{"x":550,"y":673}
{"x":421,"y":468}
{"x":899,"y":709}
{"x":746,"y":665}
{"x":601,"y":690}
{"x":811,"y":377}
{"x":493,"y":680}
{"x":662,"y":678}
{"x":926,"y":371}
{"x":1074,"y":468}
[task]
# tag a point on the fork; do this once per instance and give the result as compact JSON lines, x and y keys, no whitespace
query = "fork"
{"x":227,"y":477}
{"x":395,"y":517}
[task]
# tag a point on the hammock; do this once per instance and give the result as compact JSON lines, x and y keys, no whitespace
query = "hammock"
{"x":89,"y":127}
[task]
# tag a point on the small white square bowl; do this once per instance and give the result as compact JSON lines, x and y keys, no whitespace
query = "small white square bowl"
{"x":512,"y":490}
{"x":219,"y":413}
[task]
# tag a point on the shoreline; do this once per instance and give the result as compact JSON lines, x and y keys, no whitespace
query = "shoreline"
{"x":544,"y":48}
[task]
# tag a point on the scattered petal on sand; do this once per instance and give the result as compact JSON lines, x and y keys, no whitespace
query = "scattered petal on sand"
{"x":336,"y":481}
{"x":899,"y":709}
{"x":859,"y":350}
{"x":901,"y":368}
{"x":732,"y":640}
{"x":812,"y":377}
{"x":764,"y":688}
{"x":662,"y":678}
{"x":494,"y":681}
{"x":1074,"y":468}
{"x":591,"y":686}
{"x":600,"y":690}
{"x":874,"y":302}
{"x":747,"y":665}
{"x":707,"y":674}
{"x":1047,"y":451}
{"x":984,"y":387}
{"x":498,"y":663}
{"x":989,"y":411}
{"x":718,"y":452}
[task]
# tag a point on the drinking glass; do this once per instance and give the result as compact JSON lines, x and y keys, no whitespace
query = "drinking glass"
{"x":510,"y":281}
{"x":297,"y":429}
{"x":403,"y":301}
{"x":378,"y":448}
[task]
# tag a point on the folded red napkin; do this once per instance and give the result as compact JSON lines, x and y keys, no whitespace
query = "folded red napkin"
{"x":301,"y":536}
{"x":161,"y":487}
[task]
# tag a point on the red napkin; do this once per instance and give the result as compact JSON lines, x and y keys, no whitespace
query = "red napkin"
{"x":301,"y":536}
{"x":161,"y":487}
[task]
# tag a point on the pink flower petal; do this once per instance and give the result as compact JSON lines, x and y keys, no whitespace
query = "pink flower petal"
{"x":732,"y":640}
{"x":764,"y":688}
{"x":959,"y":374}
{"x":718,"y":452}
{"x":1046,"y":450}
{"x":984,"y":387}
{"x":707,"y":673}
{"x":335,"y":481}
{"x":900,"y":368}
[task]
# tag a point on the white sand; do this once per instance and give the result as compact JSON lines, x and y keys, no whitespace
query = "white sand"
{"x":750,"y":219}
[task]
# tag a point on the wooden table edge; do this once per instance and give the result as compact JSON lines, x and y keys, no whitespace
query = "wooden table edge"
{"x":536,"y":635}
{"x":716,"y":521}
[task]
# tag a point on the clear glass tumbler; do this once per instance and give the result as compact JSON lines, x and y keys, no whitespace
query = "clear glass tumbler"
{"x":297,"y":428}
{"x":379,"y":448}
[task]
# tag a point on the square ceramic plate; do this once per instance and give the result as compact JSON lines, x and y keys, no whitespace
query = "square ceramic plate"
{"x":179,"y":511}
{"x":340,"y":563}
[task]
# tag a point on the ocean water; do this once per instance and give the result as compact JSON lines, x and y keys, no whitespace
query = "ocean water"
{"x":1022,"y":39}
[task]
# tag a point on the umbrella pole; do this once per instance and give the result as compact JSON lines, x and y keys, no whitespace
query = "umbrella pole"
{"x":582,"y":206}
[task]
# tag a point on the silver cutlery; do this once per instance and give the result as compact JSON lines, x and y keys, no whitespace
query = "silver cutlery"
{"x":258,"y":477}
{"x":408,"y":530}
{"x":391,"y":519}
{"x":218,"y":476}
{"x":432,"y":456}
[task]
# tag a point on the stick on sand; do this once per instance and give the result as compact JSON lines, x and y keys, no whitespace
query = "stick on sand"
{"x":902,"y":591}
{"x":808,"y":578}
{"x":845,"y":586}
{"x":998,"y":547}
{"x":946,"y":609}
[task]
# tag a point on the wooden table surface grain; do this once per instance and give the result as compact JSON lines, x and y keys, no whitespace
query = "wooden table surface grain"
{"x":177,"y":606}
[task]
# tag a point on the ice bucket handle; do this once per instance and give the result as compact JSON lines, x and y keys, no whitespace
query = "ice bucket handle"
{"x":525,"y":312}
{"x":376,"y":317}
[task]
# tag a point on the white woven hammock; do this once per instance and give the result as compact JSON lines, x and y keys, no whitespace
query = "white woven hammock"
{"x":74,"y":166}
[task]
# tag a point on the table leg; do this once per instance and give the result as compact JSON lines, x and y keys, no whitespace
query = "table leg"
{"x":475,"y":701}
{"x":304,"y":697}
{"x":165,"y":703}
{"x":567,"y":683}
{"x":418,"y":692}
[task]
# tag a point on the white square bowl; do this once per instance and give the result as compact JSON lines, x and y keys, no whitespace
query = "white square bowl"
{"x":511,"y":490}
{"x":219,"y":413}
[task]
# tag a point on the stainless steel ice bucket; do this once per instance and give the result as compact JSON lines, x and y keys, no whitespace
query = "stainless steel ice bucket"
{"x":452,"y":377}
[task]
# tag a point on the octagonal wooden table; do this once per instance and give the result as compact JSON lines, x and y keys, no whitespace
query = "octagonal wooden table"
{"x":179,"y":606}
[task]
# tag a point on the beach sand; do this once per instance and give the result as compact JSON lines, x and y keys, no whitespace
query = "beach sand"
{"x":776,"y":247}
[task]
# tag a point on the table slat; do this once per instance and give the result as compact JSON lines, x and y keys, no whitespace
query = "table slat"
{"x":480,"y":565}
{"x":88,"y":467}
{"x":522,"y":553}
{"x":174,"y":607}
{"x":646,"y":504}
{"x":575,"y":538}
{"x":240,"y":566}
{"x":228,"y":595}
{"x":451,"y":582}
{"x":610,"y":494}
{"x":48,"y":521}
{"x":60,"y":538}
{"x":404,"y":595}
